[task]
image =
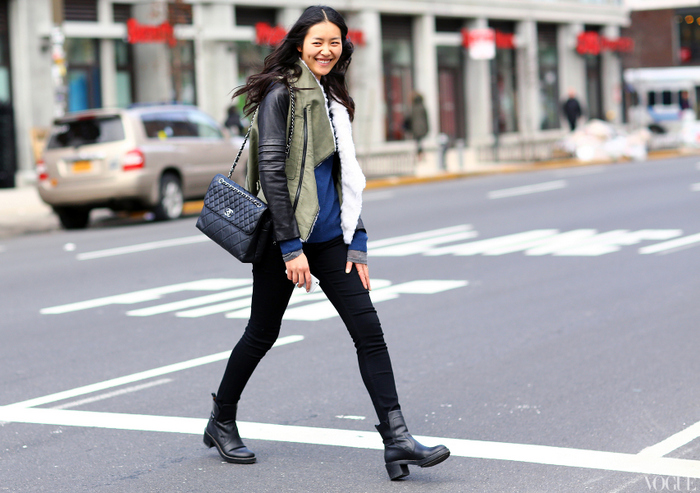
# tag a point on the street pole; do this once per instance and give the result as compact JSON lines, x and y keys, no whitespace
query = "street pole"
{"x":58,"y":57}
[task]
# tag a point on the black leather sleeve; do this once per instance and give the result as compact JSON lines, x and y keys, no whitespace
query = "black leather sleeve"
{"x":272,"y":144}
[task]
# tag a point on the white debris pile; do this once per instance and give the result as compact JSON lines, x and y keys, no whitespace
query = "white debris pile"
{"x":690,"y":130}
{"x":597,"y":140}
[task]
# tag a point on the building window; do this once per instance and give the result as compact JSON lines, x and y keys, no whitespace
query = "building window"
{"x":123,"y":54}
{"x":397,"y":57}
{"x":80,"y":10}
{"x":250,"y":59}
{"x":448,"y":24}
{"x":249,"y":16}
{"x":121,"y":12}
{"x":4,"y":54}
{"x":594,"y":88}
{"x":182,"y":63}
{"x":451,"y":91}
{"x":505,"y":99}
{"x":549,"y":75}
{"x":83,"y":77}
{"x":689,"y":33}
{"x":180,"y":13}
{"x":125,"y":78}
{"x":250,"y":55}
{"x":8,"y":163}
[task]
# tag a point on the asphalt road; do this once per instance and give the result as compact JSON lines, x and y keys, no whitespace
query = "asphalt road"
{"x":543,"y":325}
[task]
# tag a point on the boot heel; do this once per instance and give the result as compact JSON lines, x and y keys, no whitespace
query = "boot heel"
{"x":208,"y":441}
{"x":397,"y":471}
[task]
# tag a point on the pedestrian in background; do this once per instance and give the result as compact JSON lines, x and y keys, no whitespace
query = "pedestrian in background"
{"x":572,"y":110}
{"x":313,"y":232}
{"x":233,"y":120}
{"x":684,"y":101}
{"x":417,"y":121}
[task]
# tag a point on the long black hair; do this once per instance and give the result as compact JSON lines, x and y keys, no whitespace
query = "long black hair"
{"x":281,"y":63}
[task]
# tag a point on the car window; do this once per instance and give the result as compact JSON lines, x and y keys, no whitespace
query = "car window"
{"x":206,"y":126}
{"x":86,"y":131}
{"x":164,"y":125}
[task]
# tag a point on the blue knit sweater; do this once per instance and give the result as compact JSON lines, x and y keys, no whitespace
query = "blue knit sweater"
{"x":327,"y":224}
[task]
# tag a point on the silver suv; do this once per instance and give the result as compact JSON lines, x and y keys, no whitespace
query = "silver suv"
{"x":149,"y":157}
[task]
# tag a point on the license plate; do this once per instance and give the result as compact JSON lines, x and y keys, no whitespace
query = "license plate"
{"x":82,"y":166}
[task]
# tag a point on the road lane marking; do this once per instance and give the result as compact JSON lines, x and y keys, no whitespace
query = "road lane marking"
{"x":611,"y":241}
{"x":316,"y":305}
{"x":528,"y":189}
{"x":450,"y":241}
{"x":415,"y":247}
{"x":142,"y":247}
{"x":116,"y":393}
{"x":580,"y":242}
{"x":397,"y":240}
{"x":481,"y":246}
{"x":673,"y":442}
{"x":668,"y":246}
{"x":136,"y":377}
{"x":554,"y":244}
{"x":147,"y":295}
{"x":369,"y":440}
{"x":198,"y":301}
{"x":324,"y":309}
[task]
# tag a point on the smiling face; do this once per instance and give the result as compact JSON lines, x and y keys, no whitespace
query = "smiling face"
{"x":322,"y":48}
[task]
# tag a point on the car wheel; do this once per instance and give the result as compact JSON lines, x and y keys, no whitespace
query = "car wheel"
{"x":73,"y":217}
{"x":171,"y":198}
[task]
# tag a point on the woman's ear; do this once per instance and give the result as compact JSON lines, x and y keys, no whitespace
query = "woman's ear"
{"x":299,"y":49}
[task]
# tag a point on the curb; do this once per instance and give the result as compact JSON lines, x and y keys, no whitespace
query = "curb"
{"x":195,"y":206}
{"x":43,"y":220}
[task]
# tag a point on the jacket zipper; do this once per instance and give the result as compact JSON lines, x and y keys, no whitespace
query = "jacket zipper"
{"x":303,"y":163}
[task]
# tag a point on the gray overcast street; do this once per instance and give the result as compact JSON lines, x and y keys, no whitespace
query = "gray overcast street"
{"x":544,"y":325}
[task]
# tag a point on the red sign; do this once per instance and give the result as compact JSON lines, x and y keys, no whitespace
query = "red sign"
{"x":480,"y":42}
{"x":142,"y":33}
{"x":265,"y":34}
{"x":504,"y":41}
{"x":356,"y":37}
{"x":592,"y":43}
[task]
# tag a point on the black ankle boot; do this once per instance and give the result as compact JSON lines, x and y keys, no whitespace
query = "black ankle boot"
{"x":222,"y":432}
{"x":401,"y":449}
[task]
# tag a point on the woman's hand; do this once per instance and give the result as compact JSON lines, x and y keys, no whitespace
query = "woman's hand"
{"x":362,"y":271}
{"x":298,"y":272}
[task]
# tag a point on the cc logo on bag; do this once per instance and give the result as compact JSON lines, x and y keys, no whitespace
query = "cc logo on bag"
{"x":228,"y":212}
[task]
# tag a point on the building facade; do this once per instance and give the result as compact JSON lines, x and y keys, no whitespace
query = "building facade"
{"x":662,"y":74}
{"x":120,"y":52}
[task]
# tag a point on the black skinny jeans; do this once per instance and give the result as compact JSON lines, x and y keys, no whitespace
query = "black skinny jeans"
{"x":271,"y":293}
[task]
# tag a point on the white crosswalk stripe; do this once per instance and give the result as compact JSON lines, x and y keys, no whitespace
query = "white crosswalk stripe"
{"x":579,"y":242}
{"x":236,"y":303}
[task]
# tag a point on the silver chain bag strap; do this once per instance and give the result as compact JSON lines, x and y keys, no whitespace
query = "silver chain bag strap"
{"x":235,"y":219}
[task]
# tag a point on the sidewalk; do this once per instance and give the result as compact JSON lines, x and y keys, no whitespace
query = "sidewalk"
{"x":23,"y":212}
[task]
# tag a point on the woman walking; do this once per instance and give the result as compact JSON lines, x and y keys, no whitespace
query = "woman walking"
{"x":302,"y":163}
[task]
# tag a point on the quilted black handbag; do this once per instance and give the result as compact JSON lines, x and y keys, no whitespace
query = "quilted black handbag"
{"x":233,"y":217}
